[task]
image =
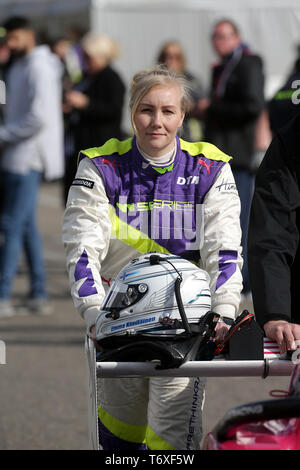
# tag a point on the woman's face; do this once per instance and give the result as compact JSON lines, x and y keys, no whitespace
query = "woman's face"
{"x":174,"y":57}
{"x":95,"y":64}
{"x":157,"y":119}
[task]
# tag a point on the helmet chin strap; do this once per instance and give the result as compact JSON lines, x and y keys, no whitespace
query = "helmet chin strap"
{"x":155,"y":259}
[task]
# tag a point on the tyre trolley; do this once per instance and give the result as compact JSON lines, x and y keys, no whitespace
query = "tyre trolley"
{"x":269,"y":365}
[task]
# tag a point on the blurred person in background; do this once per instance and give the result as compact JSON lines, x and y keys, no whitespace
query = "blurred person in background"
{"x":282,"y":107}
{"x":231,"y":114}
{"x":72,"y":71}
{"x":31,"y":143}
{"x":173,"y":57}
{"x":75,"y":36}
{"x":95,"y":104}
{"x":69,"y":49}
{"x":5,"y":60}
{"x":72,"y":75}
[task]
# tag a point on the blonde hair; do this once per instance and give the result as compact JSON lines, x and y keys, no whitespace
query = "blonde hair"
{"x":142,"y":82}
{"x":100,"y":45}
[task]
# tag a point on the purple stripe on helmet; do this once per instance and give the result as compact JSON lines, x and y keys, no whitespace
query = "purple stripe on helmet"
{"x":227,"y":266}
{"x":83,"y":272}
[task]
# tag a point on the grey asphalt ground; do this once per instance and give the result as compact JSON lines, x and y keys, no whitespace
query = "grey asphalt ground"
{"x":43,"y":386}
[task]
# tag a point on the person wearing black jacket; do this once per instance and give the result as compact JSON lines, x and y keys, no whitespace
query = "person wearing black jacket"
{"x":281,"y":107}
{"x":94,"y":107}
{"x":231,"y":113}
{"x":273,"y":239}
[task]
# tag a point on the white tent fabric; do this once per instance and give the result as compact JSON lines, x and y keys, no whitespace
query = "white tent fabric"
{"x":38,"y":8}
{"x":52,"y":17}
{"x":270,"y":27}
{"x":194,"y":4}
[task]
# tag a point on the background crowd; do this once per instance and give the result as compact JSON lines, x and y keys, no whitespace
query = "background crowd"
{"x":64,"y":94}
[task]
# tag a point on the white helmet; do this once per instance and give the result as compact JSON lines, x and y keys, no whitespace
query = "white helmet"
{"x":143,"y":300}
{"x":158,"y":308}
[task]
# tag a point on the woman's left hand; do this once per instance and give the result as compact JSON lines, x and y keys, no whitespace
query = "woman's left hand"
{"x":221,"y":330}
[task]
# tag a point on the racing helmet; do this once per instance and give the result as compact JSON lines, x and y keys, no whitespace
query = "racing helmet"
{"x":142,"y":299}
{"x":154,"y":309}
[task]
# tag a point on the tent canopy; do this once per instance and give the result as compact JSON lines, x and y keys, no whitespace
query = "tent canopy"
{"x":52,"y":18}
{"x":34,"y":8}
{"x":196,"y":5}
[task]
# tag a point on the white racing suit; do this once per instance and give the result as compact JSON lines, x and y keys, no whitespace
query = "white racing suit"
{"x":191,"y":209}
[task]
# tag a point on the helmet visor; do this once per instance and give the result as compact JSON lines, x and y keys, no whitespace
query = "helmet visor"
{"x":122,"y":296}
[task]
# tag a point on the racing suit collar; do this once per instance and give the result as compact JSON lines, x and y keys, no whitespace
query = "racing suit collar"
{"x":144,"y":165}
